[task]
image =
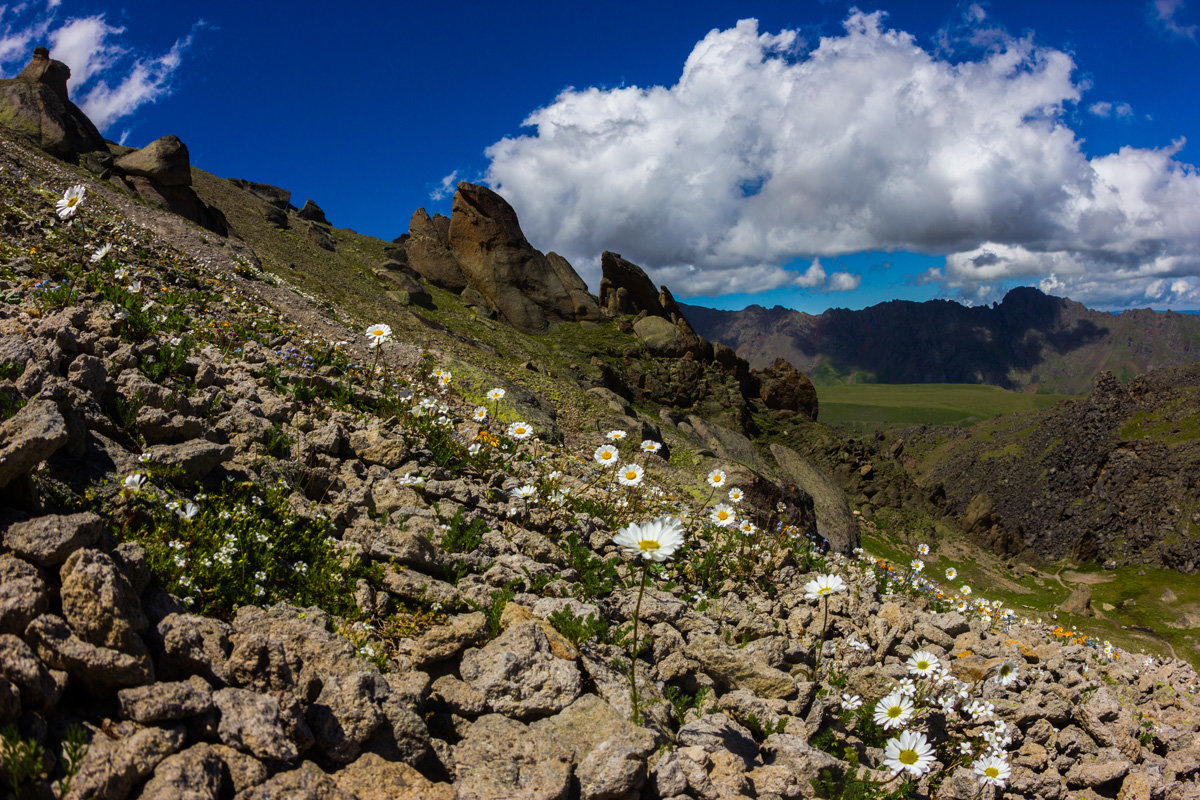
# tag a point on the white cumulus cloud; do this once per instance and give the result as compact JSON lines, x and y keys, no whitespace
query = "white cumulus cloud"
{"x":767,"y":151}
{"x":109,"y":80}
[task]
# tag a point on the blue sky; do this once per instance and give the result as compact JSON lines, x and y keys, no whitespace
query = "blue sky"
{"x":811,"y":154}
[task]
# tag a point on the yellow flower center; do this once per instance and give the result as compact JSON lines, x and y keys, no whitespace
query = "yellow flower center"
{"x":908,"y":757}
{"x":992,"y":772}
{"x":922,"y":665}
{"x":827,"y":590}
{"x":649,"y":544}
{"x":71,"y":201}
{"x":894,"y":712}
{"x":631,"y":475}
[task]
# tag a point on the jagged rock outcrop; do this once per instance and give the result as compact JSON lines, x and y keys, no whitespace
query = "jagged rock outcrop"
{"x":481,"y":251}
{"x":36,"y":105}
{"x":521,"y":283}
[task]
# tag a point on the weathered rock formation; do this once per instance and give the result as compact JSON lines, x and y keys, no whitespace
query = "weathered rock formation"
{"x":481,"y":249}
{"x":161,"y":173}
{"x":35,"y":104}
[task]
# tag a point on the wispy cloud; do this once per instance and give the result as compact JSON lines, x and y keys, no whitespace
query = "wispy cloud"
{"x":1165,"y":14}
{"x":765,"y":152}
{"x":1106,"y":109}
{"x":446,"y":187}
{"x":110,"y":80}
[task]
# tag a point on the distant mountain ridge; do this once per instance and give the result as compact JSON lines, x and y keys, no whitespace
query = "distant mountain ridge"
{"x":1030,"y":341}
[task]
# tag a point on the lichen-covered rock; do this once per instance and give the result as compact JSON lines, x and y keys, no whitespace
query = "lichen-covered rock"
{"x":29,"y":437}
{"x":500,"y":759}
{"x":120,"y":758}
{"x":23,"y":594}
{"x":197,"y":773}
{"x":48,"y":540}
{"x":254,"y":723}
{"x":100,"y":670}
{"x":99,"y":603}
{"x":737,"y":669}
{"x":194,"y":645}
{"x":373,"y":778}
{"x":305,"y":782}
{"x":346,"y":713}
{"x":166,"y":701}
{"x":519,"y":675}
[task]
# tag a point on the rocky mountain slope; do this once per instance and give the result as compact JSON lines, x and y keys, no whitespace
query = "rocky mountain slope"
{"x":253,"y":544}
{"x":1115,"y":475}
{"x":1029,"y":341}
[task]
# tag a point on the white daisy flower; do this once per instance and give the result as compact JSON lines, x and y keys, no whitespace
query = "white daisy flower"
{"x":823,"y":586}
{"x":630,"y":475}
{"x":851,"y":702}
{"x":524,"y":492}
{"x":893,"y":711}
{"x":100,"y":253}
{"x":496,"y":394}
{"x":722,"y":515}
{"x":656,"y":540}
{"x":135,"y":482}
{"x":651,"y":446}
{"x":606,"y":455}
{"x":716,"y":479}
{"x":520,"y":431}
{"x":922,"y":549}
{"x":378,"y":334}
{"x":909,"y":752}
{"x":736,"y":495}
{"x":922,"y":663}
{"x":992,"y":770}
{"x":951,"y":573}
{"x":69,"y":203}
{"x":480,"y":414}
{"x":616,"y":435}
{"x":1007,"y":672}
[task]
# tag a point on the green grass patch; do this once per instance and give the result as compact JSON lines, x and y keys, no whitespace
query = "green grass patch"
{"x":876,"y":405}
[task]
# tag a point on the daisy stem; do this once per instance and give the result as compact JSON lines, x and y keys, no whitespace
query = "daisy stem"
{"x":633,"y":650}
{"x":821,"y":641}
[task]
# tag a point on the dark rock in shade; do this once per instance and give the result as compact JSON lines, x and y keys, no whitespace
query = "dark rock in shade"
{"x":408,"y":291}
{"x":270,"y":195}
{"x":100,"y":670}
{"x":29,"y":437}
{"x":164,"y":161}
{"x":275,"y":217}
{"x":427,"y":249}
{"x":121,"y":758}
{"x":47,"y":541}
{"x":834,"y":521}
{"x":625,"y":288}
{"x":36,"y":106}
{"x":192,"y":644}
{"x":23,"y":594}
{"x":522,"y":284}
{"x":197,"y":773}
{"x":312,"y":212}
{"x":785,"y":388}
{"x":306,"y":782}
{"x":164,"y":701}
{"x":321,"y":236}
{"x":181,"y":200}
{"x":20,"y":666}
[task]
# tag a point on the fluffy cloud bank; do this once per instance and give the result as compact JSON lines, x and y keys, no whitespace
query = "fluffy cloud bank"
{"x":766,"y":152}
{"x":108,"y":80}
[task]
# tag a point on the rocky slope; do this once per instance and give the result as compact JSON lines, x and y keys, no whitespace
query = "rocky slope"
{"x":1029,"y":341}
{"x":1112,"y":476}
{"x":244,"y":556}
